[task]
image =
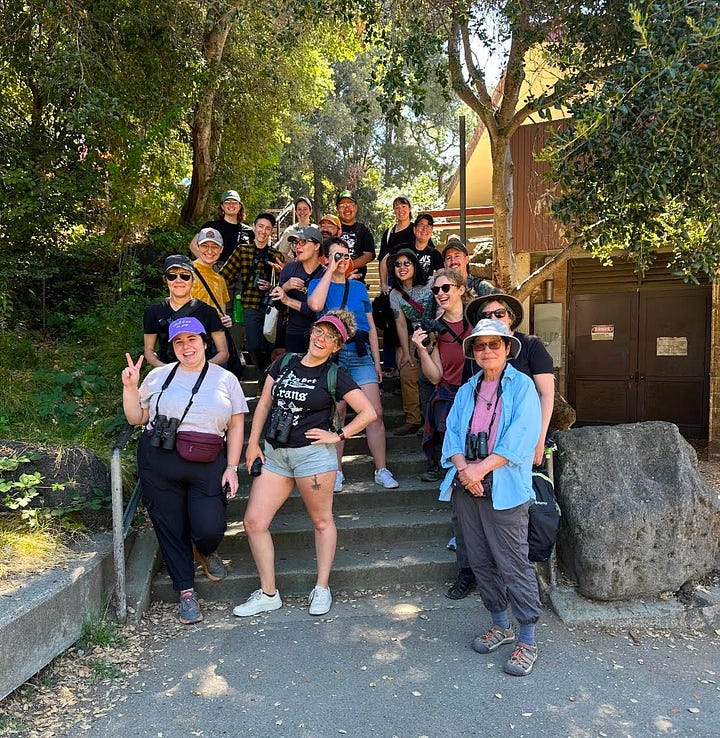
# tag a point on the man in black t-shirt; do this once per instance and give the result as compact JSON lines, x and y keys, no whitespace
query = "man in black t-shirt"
{"x":230,"y":224}
{"x":357,"y":236}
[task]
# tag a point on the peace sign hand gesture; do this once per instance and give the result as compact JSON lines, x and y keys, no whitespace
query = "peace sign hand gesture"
{"x":131,"y":374}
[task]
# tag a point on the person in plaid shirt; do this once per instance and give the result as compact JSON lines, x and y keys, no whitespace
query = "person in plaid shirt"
{"x":251,"y":267}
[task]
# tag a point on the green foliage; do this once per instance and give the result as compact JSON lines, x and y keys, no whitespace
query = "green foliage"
{"x":20,"y":494}
{"x":638,"y":167}
{"x":17,"y":351}
{"x":98,"y":631}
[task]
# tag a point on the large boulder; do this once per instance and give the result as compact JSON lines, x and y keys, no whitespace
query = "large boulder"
{"x":638,"y":519}
{"x":68,"y":472}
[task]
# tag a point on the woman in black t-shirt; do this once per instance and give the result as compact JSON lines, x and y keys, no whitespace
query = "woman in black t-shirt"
{"x":296,"y":413}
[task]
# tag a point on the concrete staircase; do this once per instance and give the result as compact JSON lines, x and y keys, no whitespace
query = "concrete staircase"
{"x":385,"y":537}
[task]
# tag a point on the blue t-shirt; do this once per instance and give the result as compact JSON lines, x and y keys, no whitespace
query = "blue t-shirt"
{"x":358,"y":300}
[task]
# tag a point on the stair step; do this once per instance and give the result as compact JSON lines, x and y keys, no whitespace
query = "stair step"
{"x":356,"y":566}
{"x":383,"y":527}
{"x":358,"y":495}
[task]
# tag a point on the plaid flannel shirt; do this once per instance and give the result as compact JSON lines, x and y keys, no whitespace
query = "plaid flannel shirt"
{"x":244,"y":266}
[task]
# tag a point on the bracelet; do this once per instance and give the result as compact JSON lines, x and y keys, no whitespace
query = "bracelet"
{"x":341,"y":435}
{"x":234,"y":467}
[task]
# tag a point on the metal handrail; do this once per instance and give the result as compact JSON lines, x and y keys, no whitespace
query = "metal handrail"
{"x":120,"y":524}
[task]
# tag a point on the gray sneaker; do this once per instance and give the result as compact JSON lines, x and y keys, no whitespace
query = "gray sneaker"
{"x":211,"y":564}
{"x":189,"y":609}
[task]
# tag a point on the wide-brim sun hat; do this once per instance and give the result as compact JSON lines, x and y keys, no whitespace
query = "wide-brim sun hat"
{"x":488,"y":327}
{"x":475,"y":307}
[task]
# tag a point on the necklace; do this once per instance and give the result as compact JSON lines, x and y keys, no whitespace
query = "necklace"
{"x":488,"y":402}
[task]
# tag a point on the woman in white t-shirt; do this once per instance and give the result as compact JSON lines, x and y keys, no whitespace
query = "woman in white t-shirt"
{"x":295,"y":414}
{"x":192,"y":410}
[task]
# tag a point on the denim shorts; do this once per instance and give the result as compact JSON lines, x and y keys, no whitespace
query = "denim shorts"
{"x":301,"y":462}
{"x":361,"y":368}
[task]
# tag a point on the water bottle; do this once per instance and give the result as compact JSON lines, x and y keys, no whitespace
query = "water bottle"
{"x":238,"y":310}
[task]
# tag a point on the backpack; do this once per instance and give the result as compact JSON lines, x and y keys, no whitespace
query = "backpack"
{"x":544,"y":518}
{"x":330,"y":377}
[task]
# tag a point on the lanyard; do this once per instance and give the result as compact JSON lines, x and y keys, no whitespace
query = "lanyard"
{"x":166,"y":384}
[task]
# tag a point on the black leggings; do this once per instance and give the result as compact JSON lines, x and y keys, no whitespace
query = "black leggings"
{"x":186,"y":504}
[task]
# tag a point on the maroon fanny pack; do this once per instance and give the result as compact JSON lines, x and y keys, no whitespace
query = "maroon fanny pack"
{"x":200,"y":447}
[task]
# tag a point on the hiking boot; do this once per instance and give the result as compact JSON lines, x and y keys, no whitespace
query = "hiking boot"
{"x":431,"y":475}
{"x":493,"y":639}
{"x":320,"y":600}
{"x":462,"y":586}
{"x":407,"y":429}
{"x":522,"y":661}
{"x":189,"y":608}
{"x":384,"y":478}
{"x":258,"y":602}
{"x":339,"y":480}
{"x":211,"y":564}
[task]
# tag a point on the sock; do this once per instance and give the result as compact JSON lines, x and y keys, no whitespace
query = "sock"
{"x":501,"y":619}
{"x":527,"y":634}
{"x":267,"y":595}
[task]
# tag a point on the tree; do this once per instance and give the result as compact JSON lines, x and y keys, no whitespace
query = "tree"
{"x":638,"y":168}
{"x":580,"y":40}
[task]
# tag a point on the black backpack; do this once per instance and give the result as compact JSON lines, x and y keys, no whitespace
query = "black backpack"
{"x":544,"y":518}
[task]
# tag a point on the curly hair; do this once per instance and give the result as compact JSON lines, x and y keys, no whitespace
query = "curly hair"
{"x":347,"y":319}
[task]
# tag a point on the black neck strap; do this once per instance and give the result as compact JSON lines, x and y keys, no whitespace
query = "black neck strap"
{"x":498,"y":395}
{"x":194,"y":391}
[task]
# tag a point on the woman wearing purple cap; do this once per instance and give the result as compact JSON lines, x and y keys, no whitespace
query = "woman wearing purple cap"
{"x":188,"y":456}
{"x":295,"y":414}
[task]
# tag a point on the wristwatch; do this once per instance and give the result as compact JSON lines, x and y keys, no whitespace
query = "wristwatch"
{"x":341,"y":435}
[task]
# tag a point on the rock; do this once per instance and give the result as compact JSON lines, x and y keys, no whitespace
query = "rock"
{"x":563,"y":415}
{"x":638,"y":519}
{"x":76,"y":467}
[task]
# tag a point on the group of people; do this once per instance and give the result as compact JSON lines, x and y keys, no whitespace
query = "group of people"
{"x":477,"y":391}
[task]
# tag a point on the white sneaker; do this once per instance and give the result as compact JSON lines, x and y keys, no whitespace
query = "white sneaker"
{"x":320,"y":601}
{"x":339,"y":479}
{"x":258,"y":602}
{"x":384,"y":478}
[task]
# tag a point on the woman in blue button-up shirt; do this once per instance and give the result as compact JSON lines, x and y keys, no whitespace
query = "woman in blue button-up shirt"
{"x":491,"y":433}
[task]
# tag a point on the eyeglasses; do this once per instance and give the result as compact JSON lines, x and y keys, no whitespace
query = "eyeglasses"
{"x":442,"y":287}
{"x":494,"y":345}
{"x":318,"y":332}
{"x":339,"y":256}
{"x":172,"y":276}
{"x":499,"y":313}
{"x":400,"y":264}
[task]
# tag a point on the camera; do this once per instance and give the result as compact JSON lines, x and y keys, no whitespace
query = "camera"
{"x":429,"y":325}
{"x":280,"y":426}
{"x":164,"y":431}
{"x":476,"y":446}
{"x":256,"y":467}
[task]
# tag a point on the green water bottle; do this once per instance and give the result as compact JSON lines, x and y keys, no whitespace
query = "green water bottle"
{"x":238,"y":310}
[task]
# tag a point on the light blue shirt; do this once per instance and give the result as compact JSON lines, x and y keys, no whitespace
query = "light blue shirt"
{"x":518,"y":433}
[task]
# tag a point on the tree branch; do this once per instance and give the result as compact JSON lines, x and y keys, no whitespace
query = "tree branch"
{"x":545,"y":271}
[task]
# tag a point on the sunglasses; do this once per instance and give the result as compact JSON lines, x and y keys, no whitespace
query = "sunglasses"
{"x":340,"y":256}
{"x":172,"y":276}
{"x":495,"y":345}
{"x":499,"y":313}
{"x":399,"y":264}
{"x":442,"y":288}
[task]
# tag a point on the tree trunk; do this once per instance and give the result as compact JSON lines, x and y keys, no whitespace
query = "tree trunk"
{"x":504,"y":271}
{"x":207,"y":120}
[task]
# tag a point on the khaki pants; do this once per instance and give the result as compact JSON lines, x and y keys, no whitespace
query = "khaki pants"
{"x":410,"y":393}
